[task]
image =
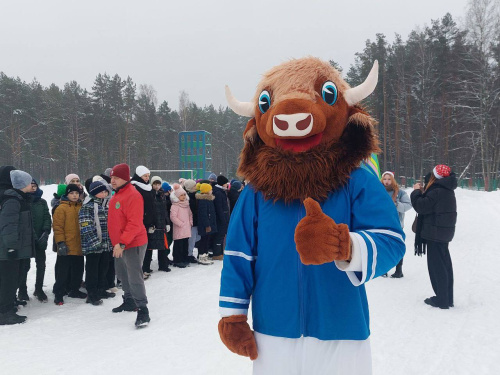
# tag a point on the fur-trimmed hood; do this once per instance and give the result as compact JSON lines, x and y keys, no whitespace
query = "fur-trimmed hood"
{"x":208,"y":197}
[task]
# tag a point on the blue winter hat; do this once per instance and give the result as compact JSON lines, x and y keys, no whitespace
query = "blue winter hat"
{"x":212,"y":177}
{"x":20,"y":179}
{"x":97,"y":187}
{"x":166,"y":187}
{"x":236,"y":185}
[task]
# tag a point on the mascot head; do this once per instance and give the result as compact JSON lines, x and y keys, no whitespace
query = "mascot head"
{"x":307,"y":132}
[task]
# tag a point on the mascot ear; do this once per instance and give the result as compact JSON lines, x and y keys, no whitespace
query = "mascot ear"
{"x":359,"y":117}
{"x":250,"y":133}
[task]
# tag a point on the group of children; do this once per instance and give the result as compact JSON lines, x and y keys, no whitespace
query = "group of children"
{"x":190,"y":214}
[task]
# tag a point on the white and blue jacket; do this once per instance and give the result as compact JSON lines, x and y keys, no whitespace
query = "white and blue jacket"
{"x":290,"y":299}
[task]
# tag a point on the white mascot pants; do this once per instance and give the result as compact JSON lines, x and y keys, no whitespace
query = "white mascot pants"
{"x":310,"y":356}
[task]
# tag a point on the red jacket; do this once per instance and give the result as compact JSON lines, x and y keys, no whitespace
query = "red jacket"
{"x":126,"y":211}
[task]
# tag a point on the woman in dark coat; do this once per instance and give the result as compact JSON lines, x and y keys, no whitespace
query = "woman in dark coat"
{"x":436,"y":207}
{"x":233,"y":194}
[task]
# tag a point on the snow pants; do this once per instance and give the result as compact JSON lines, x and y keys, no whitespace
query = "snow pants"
{"x":181,"y":250}
{"x":96,"y":268}
{"x":440,"y":272}
{"x":308,"y":355}
{"x":195,"y":237}
{"x":9,"y":278}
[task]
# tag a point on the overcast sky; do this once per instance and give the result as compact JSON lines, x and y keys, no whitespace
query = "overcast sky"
{"x":196,"y":46}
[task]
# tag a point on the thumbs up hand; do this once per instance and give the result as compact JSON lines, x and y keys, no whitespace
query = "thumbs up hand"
{"x":319,"y":239}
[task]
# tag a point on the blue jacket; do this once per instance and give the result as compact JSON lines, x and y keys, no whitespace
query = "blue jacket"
{"x":290,"y":299}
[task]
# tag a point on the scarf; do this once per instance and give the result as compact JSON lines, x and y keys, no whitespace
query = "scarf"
{"x":420,"y":243}
{"x":182,"y":204}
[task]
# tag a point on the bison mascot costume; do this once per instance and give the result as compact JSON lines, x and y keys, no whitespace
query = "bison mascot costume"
{"x":311,"y":227}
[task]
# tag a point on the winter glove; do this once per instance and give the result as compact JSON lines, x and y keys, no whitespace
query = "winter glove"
{"x":208,"y":229}
{"x":236,"y":334}
{"x":168,"y":228}
{"x":62,"y":249}
{"x":151,"y":229}
{"x":11,"y":254}
{"x":319,"y":239}
{"x":43,"y":237}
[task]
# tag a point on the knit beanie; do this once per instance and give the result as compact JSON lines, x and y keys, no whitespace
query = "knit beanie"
{"x":440,"y":171}
{"x":88,"y":181}
{"x":96,"y":187}
{"x":72,"y":187}
{"x":166,"y":187}
{"x":141,"y":170}
{"x":156,"y":179}
{"x":107,"y":172}
{"x":236,"y":185}
{"x":69,"y":177}
{"x":61,"y":190}
{"x":205,"y":188}
{"x":121,"y":171}
{"x":20,"y":179}
{"x":190,"y":185}
{"x":178,"y":190}
{"x":212,"y":177}
{"x":389,"y":173}
{"x":221,"y":180}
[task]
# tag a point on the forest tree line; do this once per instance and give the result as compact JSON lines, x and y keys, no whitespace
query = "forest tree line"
{"x":437,"y":101}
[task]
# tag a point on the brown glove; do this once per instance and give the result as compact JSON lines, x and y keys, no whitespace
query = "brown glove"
{"x":319,"y":239}
{"x":236,"y":334}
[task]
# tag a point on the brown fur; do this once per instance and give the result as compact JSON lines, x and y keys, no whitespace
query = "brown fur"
{"x":319,"y":239}
{"x":236,"y":334}
{"x":286,"y":175}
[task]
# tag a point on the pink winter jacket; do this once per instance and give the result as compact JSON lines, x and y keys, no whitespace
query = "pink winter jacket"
{"x":181,"y":217}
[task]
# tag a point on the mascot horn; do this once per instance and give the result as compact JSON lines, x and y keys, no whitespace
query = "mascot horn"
{"x":310,"y":228}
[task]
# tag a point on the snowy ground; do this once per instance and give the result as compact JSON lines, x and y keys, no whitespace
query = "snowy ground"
{"x":408,"y":337}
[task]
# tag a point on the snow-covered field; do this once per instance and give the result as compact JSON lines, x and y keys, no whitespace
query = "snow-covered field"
{"x":408,"y":337}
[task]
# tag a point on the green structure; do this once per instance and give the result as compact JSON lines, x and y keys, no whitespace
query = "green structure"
{"x":195,"y":153}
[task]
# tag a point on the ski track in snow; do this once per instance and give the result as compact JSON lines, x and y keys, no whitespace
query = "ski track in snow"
{"x":408,"y":337}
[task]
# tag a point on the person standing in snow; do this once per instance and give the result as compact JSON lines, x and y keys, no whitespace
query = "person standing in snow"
{"x":190,"y":187}
{"x":156,"y":240}
{"x":69,"y":245}
{"x":73,"y":178}
{"x":93,"y":220}
{"x":436,"y":207}
{"x":170,"y":239}
{"x":16,"y":237}
{"x":403,"y":204}
{"x":42,"y":225}
{"x":129,"y":240}
{"x":207,"y":221}
{"x":222,"y":213}
{"x":182,"y":220}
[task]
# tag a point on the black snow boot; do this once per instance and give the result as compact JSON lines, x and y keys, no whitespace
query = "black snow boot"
{"x":94,"y":299}
{"x":77,"y":294}
{"x":142,"y":317}
{"x":59,"y":300}
{"x":11,"y":317}
{"x":397,"y":275}
{"x":102,"y":293}
{"x":127,"y":305}
{"x":18,"y":302}
{"x":40,"y":295}
{"x":22,"y":295}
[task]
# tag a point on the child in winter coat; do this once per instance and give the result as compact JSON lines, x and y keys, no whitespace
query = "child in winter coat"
{"x":42,"y":225}
{"x":167,"y":189}
{"x":207,"y":222}
{"x":96,"y":245}
{"x":69,"y":249}
{"x":156,"y":240}
{"x":403,"y":204}
{"x":182,"y":219}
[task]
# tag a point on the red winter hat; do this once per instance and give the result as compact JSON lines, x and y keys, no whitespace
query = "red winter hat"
{"x":441,"y":171}
{"x":122,"y":171}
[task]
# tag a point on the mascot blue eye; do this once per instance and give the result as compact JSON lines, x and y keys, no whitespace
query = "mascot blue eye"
{"x":264,"y":101}
{"x":329,"y":92}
